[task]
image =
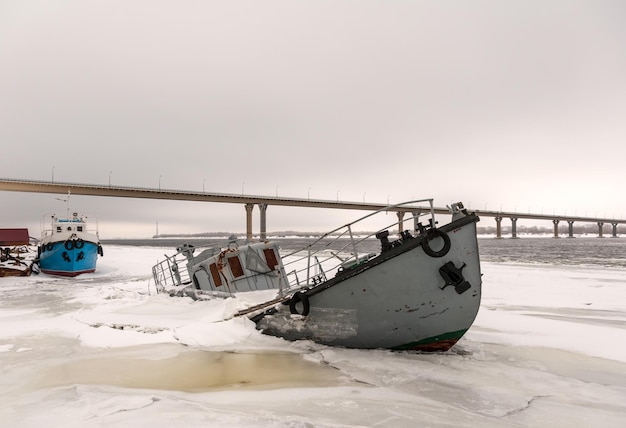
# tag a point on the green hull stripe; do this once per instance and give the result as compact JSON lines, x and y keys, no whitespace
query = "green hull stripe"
{"x":453,"y":335}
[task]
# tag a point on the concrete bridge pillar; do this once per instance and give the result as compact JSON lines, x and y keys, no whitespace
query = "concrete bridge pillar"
{"x":614,"y":229}
{"x":498,"y":227}
{"x":400,"y":215}
{"x":416,"y":219}
{"x":249,"y":208}
{"x":556,"y":227}
{"x":513,"y":227}
{"x":262,"y":231}
{"x":570,"y":228}
{"x":600,"y":224}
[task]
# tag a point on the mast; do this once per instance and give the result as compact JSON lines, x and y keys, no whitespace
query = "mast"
{"x":67,"y":204}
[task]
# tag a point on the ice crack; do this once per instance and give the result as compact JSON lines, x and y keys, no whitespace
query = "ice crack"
{"x":524,"y":407}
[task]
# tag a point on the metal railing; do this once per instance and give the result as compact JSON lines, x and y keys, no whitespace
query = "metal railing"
{"x":340,"y":249}
{"x":171,"y":272}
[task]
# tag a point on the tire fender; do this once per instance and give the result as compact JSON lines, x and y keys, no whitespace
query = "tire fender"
{"x":299,"y":297}
{"x":432,"y":234}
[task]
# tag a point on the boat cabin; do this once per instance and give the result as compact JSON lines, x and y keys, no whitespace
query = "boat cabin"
{"x":222,"y":271}
{"x":74,"y":224}
{"x":249,"y":268}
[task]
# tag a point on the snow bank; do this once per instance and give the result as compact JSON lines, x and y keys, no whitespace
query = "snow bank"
{"x":105,"y":350}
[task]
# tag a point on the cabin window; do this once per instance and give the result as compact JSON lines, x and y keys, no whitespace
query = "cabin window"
{"x":270,"y":258}
{"x":215,"y":274}
{"x":79,"y":228}
{"x":235,"y":266}
{"x":59,"y":230}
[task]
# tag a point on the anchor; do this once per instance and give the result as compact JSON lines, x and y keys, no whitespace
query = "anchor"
{"x":454,"y":276}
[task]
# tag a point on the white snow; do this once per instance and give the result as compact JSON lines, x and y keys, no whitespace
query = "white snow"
{"x":548,"y":348}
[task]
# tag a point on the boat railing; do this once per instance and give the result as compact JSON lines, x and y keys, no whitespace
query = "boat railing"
{"x":343,"y":248}
{"x":171,"y":272}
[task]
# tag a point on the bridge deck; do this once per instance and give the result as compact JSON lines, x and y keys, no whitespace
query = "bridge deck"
{"x":264,"y":201}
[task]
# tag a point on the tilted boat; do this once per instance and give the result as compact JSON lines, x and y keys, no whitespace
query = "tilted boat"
{"x":420,"y":291}
{"x":67,"y":247}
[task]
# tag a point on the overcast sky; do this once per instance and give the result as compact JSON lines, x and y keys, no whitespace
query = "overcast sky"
{"x":512,"y":105}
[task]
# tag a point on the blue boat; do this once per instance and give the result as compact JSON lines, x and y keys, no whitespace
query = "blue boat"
{"x":67,"y":247}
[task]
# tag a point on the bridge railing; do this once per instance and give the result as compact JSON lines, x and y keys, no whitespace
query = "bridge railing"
{"x":162,"y":193}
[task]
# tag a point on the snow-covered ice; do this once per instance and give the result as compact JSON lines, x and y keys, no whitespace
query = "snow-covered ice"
{"x":548,"y":348}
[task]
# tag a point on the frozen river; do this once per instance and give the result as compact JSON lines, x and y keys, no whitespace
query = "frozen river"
{"x":548,"y":348}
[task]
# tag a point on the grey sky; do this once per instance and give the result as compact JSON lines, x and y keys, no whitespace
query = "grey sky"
{"x":503,"y":105}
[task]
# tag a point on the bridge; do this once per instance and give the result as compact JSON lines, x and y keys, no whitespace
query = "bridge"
{"x":249,"y":201}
